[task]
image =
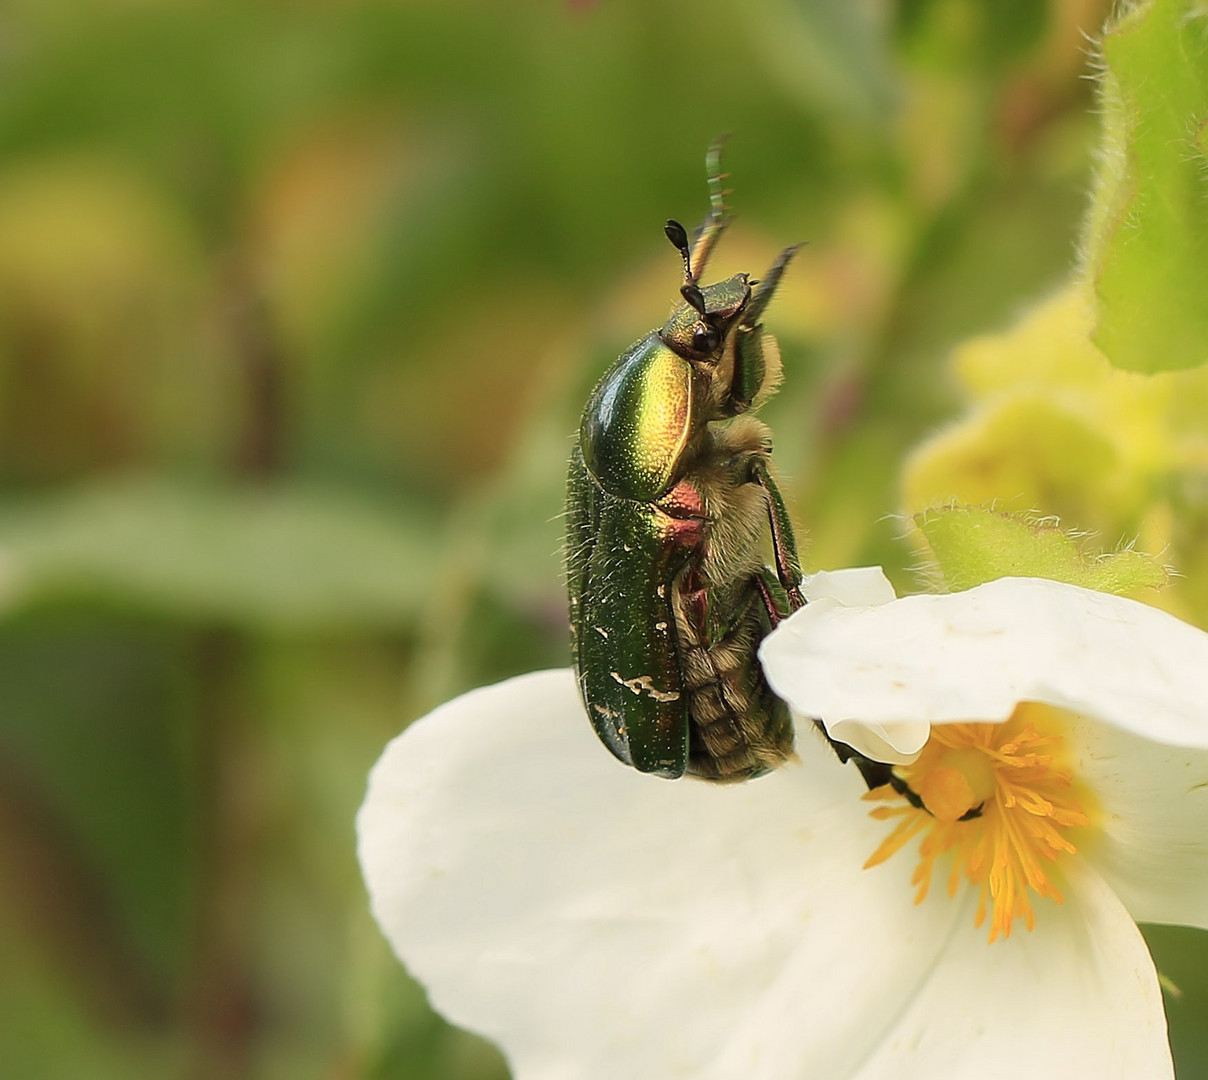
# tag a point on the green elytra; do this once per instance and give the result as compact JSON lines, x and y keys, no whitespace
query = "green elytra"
{"x":670,"y":504}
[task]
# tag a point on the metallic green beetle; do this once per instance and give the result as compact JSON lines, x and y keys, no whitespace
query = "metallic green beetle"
{"x":670,"y":497}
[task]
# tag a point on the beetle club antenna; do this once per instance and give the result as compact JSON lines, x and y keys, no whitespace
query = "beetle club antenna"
{"x":678,"y":236}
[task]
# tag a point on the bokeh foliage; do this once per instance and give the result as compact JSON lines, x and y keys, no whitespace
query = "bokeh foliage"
{"x":298,"y":307}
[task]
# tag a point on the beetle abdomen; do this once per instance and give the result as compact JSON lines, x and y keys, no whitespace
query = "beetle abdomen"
{"x":739,"y":729}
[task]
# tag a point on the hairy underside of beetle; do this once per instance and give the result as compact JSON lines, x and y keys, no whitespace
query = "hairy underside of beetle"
{"x":739,"y":728}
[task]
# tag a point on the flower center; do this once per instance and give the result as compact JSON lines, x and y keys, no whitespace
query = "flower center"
{"x":997,"y":802}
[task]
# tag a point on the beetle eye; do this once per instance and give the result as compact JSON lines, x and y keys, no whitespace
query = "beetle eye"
{"x":704,"y":338}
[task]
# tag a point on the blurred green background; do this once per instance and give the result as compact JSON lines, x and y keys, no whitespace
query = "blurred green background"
{"x":299,"y":303}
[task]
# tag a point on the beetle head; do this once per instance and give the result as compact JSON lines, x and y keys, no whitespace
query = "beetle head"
{"x":698,"y":328}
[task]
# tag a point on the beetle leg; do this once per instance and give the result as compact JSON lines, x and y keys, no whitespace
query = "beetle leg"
{"x":784,"y":544}
{"x":750,"y":369}
{"x":750,"y":364}
{"x":875,"y":773}
{"x":767,"y":285}
{"x":775,"y":599}
{"x":878,"y":774}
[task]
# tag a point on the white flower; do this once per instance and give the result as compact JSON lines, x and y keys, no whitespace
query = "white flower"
{"x":599,"y":924}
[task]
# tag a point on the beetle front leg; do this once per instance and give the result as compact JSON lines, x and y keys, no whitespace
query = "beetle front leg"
{"x":705,"y":238}
{"x":750,"y":369}
{"x":767,"y":285}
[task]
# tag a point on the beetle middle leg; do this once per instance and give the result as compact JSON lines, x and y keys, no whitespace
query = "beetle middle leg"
{"x":781,"y":595}
{"x":773,"y":595}
{"x":784,"y":543}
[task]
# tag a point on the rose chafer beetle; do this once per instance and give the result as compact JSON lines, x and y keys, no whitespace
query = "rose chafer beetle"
{"x":670,"y":504}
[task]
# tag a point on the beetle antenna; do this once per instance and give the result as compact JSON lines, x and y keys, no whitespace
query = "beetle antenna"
{"x":678,"y":236}
{"x":692,"y":294}
{"x":690,"y":291}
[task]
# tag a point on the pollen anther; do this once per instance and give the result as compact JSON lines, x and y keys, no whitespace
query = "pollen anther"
{"x":998,"y":803}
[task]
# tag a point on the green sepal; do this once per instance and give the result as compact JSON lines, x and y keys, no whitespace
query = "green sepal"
{"x":970,"y":545}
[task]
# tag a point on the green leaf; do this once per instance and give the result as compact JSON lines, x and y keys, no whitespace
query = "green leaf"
{"x":1181,"y":956}
{"x":1146,"y":241}
{"x":972,"y":545}
{"x":280,"y":558}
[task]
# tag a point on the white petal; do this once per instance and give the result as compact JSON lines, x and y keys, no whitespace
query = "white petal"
{"x":1150,"y":818}
{"x":1076,"y":997}
{"x":893,"y":743}
{"x":866,"y":586}
{"x":862,"y":586}
{"x":974,"y":655}
{"x":599,"y":924}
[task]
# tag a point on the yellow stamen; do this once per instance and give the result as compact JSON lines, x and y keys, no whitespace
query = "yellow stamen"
{"x":1015,"y":802}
